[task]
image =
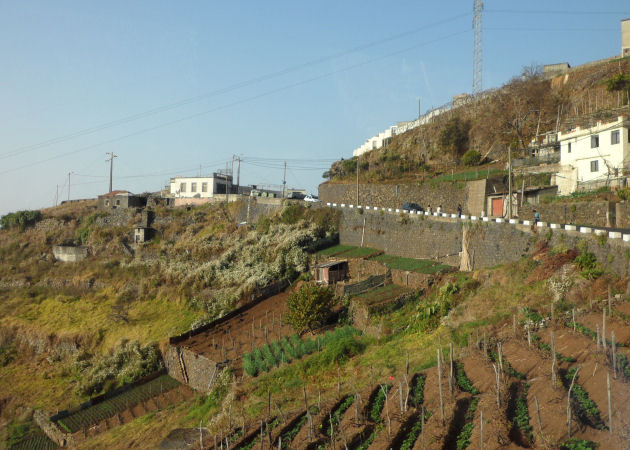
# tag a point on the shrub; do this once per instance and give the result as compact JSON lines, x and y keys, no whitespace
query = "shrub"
{"x":127,"y":363}
{"x":588,"y":265}
{"x":471,"y":158}
{"x":20,"y":219}
{"x":249,"y":366}
{"x":309,"y":307}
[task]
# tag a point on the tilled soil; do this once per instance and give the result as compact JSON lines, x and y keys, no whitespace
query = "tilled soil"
{"x":260,"y":324}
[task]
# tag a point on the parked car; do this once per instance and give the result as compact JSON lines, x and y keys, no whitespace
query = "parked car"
{"x":311,"y":198}
{"x":414,"y":207}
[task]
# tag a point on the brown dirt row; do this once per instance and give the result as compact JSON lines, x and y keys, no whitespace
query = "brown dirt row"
{"x":253,"y":328}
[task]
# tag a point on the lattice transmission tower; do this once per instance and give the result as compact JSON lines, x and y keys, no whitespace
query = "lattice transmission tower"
{"x":478,"y":48}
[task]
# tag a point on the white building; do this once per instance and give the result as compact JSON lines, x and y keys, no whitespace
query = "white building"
{"x":593,"y":157}
{"x":201,"y":187}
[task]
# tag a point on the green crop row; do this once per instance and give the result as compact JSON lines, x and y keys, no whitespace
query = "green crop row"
{"x":462,"y":380}
{"x":508,"y":367}
{"x":547,"y":348}
{"x":624,"y":365}
{"x":586,"y":408}
{"x":463,"y":440}
{"x":379,"y":402}
{"x":290,"y":434}
{"x":284,"y":351}
{"x":268,"y":429}
{"x":521,"y":418}
{"x":415,"y":431}
{"x":86,"y":417}
{"x":337,"y":414}
{"x":368,"y":441}
{"x":417,"y":397}
{"x":579,"y":444}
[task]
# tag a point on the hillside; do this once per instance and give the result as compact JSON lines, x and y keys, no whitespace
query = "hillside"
{"x":69,"y":331}
{"x":505,"y":117}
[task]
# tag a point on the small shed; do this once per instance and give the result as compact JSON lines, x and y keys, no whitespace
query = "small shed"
{"x":142,"y":234}
{"x":330,"y":272}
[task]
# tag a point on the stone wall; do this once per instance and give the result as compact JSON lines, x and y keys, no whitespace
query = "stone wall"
{"x":409,"y":236}
{"x":198,"y":371}
{"x":447,"y":194}
{"x":579,"y":213}
{"x":67,"y":253}
{"x":482,"y":244}
{"x":622,"y":215}
{"x":51,"y":430}
{"x":362,"y":268}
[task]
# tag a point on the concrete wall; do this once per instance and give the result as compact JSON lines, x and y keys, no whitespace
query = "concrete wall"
{"x":66,"y":253}
{"x":580,"y":213}
{"x":447,"y":194}
{"x":625,"y":37}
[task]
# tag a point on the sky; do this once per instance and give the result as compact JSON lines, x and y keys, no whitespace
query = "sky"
{"x":182,"y":87}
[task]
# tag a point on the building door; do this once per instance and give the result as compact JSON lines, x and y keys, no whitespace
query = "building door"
{"x":497,"y":207}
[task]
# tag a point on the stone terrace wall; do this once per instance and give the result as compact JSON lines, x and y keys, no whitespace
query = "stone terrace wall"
{"x":622,"y":215}
{"x":580,"y":213}
{"x":361,"y":268}
{"x":199,"y":370}
{"x":447,"y":194}
{"x":486,"y":244}
{"x":403,"y":235}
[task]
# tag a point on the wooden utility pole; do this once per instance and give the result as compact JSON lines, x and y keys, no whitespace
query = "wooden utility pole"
{"x":284,"y":181}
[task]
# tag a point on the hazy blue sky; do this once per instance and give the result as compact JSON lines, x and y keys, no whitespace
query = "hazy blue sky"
{"x":79,"y":79}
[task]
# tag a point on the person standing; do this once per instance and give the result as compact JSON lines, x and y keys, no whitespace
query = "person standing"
{"x":459,"y":210}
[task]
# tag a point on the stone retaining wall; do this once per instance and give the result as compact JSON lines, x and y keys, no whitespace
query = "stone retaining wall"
{"x":582,"y":213}
{"x":447,"y":194}
{"x":67,"y":253}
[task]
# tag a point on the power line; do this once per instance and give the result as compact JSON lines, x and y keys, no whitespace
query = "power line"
{"x":230,"y":88}
{"x":567,"y":12}
{"x":238,"y":102}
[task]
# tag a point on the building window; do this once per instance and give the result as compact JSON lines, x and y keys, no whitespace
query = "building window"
{"x":595,"y":141}
{"x":595,"y":166}
{"x":118,"y":202}
{"x":182,"y":187}
{"x":193,"y":187}
{"x":204,"y":187}
{"x":614,"y":137}
{"x":569,"y":148}
{"x":106,"y":202}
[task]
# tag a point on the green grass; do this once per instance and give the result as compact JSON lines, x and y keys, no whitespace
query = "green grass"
{"x":382,"y":293}
{"x":469,"y":175}
{"x":360,"y":252}
{"x":335,"y":250}
{"x":412,"y":265}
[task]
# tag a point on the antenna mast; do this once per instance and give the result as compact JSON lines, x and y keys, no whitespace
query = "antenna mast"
{"x":478,"y":48}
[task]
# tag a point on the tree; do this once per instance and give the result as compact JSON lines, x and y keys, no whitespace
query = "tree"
{"x":309,"y":307}
{"x":471,"y":158}
{"x":454,"y":135}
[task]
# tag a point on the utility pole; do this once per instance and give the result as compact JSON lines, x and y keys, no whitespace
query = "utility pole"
{"x":57,"y":196}
{"x":227,"y":184}
{"x":358,"y":166}
{"x":419,"y":113}
{"x":284,"y":181}
{"x":111,"y":168}
{"x":509,"y":182}
{"x":238,"y":173}
{"x":69,"y":173}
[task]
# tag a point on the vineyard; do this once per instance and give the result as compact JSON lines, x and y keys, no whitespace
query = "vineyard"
{"x":557,"y":385}
{"x":155,"y":394}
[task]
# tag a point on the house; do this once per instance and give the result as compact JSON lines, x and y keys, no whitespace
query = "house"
{"x":121,"y":200}
{"x":143,"y":232}
{"x":202,"y":187}
{"x":330,"y":272}
{"x":593,"y":157}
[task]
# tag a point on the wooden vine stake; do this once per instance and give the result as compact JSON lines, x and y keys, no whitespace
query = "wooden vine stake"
{"x":539,"y":419}
{"x":554,"y":363}
{"x":389,"y":421}
{"x":573,"y":312}
{"x":496,"y":376}
{"x":450,"y":376}
{"x":529,"y":337}
{"x":481,"y":429}
{"x":604,"y":330}
{"x":610,"y":411}
{"x":598,"y":337}
{"x":614,"y":355}
{"x":439,"y":371}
